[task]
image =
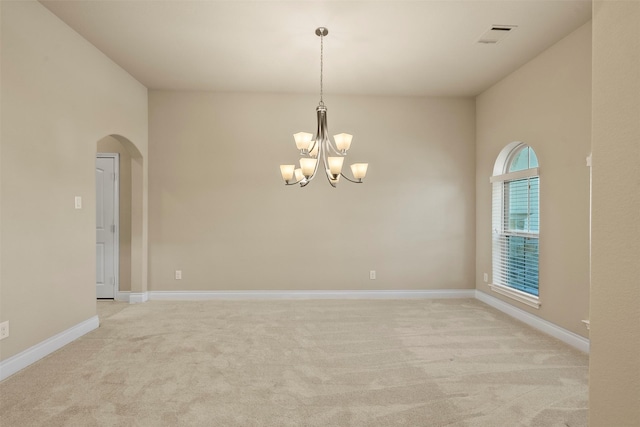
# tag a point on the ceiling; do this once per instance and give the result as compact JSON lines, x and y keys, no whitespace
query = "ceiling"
{"x":374,"y":47}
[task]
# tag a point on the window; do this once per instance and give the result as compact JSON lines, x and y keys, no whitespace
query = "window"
{"x":516,"y":224}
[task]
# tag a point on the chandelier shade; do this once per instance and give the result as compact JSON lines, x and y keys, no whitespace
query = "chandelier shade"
{"x":303,"y":140}
{"x":287,"y":171}
{"x":359,"y":170}
{"x":343,"y":142}
{"x":308,"y":166}
{"x":318,"y":148}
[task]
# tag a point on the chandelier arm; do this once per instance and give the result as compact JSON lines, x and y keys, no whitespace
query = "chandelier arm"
{"x":324,"y":131}
{"x":335,"y":150}
{"x":350,"y":180}
{"x":313,"y":146}
{"x":333,"y":183}
{"x":326,"y":170}
{"x":315,"y":169}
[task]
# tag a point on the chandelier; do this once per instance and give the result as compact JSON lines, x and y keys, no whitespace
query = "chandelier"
{"x":319,"y":148}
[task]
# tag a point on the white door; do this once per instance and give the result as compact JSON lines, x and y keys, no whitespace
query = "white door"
{"x":106,"y":225}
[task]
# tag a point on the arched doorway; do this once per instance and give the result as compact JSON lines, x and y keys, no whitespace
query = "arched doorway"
{"x":130,"y":283}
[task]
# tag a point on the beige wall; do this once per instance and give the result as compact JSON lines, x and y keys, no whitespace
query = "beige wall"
{"x":60,"y":95}
{"x":546,"y":104}
{"x":614,"y":375}
{"x":110,"y":144}
{"x":218,"y":218}
{"x":220,"y":212}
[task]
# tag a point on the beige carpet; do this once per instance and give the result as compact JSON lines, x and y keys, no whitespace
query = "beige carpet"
{"x":303,"y":363}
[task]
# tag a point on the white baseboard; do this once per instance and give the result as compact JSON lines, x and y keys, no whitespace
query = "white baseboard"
{"x":138,"y":297}
{"x":31,"y":355}
{"x":122,"y":296}
{"x":245,"y":295}
{"x":132,"y":297}
{"x":574,"y":340}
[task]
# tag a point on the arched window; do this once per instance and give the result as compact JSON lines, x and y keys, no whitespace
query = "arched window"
{"x":516,"y":223}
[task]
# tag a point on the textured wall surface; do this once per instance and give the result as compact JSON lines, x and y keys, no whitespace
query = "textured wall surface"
{"x":60,"y":96}
{"x":546,"y":104}
{"x":614,"y":380}
{"x":220,"y":212}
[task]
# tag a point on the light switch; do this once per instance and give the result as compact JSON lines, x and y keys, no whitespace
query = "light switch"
{"x":78,"y":202}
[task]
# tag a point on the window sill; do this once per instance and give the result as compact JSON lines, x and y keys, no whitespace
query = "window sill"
{"x":523,"y":297}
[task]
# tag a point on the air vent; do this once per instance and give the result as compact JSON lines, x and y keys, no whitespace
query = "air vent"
{"x":496,"y":34}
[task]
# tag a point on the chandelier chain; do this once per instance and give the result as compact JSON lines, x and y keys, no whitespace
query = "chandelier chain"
{"x":321,"y":67}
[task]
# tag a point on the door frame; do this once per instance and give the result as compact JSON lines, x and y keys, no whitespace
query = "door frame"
{"x":116,"y":220}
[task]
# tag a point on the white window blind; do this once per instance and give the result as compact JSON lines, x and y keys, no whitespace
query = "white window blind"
{"x":516,"y":225}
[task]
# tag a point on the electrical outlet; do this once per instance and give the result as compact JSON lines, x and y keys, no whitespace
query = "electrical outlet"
{"x":4,"y":330}
{"x":372,"y":275}
{"x":178,"y":274}
{"x":486,"y":278}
